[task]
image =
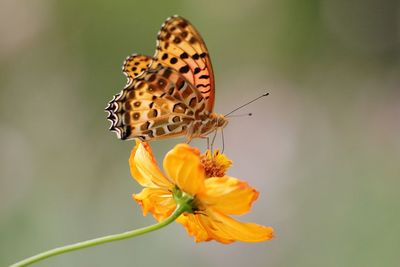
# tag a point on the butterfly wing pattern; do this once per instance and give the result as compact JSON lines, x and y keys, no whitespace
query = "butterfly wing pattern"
{"x":135,"y":65}
{"x":170,"y":94}
{"x":180,"y":46}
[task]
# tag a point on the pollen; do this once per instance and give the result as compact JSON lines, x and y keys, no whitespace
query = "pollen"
{"x":215,"y":164}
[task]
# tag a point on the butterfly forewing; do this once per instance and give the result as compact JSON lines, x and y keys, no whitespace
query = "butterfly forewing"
{"x":180,"y":46}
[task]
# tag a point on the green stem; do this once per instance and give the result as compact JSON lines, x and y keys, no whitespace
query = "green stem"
{"x":101,"y":240}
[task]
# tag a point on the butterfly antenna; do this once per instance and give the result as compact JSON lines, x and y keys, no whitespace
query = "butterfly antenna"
{"x":241,"y":115}
{"x":255,"y":99}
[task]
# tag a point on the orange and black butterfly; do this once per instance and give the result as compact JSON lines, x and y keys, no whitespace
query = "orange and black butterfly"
{"x":170,"y":94}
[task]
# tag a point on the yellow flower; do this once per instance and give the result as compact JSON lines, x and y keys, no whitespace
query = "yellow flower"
{"x":202,"y":177}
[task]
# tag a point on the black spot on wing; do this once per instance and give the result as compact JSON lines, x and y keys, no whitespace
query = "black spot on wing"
{"x":180,"y":84}
{"x":184,"y":69}
{"x":177,"y":40}
{"x":184,"y":55}
{"x":125,"y":134}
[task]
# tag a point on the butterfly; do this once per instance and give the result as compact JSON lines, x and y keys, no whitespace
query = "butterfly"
{"x":170,"y":94}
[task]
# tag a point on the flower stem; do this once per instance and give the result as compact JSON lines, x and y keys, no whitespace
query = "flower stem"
{"x":105,"y":239}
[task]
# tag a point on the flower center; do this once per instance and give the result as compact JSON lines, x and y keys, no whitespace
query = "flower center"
{"x":216,"y":164}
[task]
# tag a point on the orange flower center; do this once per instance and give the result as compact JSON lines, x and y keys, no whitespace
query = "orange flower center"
{"x":216,"y":164}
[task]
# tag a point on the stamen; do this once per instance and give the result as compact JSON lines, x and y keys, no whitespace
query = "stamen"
{"x":215,"y":164}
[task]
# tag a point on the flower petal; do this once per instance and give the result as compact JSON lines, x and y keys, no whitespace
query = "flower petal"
{"x":182,"y":165}
{"x":144,"y":167}
{"x":227,"y":230}
{"x":194,"y":227}
{"x":216,"y":226}
{"x":228,"y":195}
{"x":157,"y":201}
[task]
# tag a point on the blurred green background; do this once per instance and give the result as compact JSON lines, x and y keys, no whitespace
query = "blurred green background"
{"x":323,"y":149}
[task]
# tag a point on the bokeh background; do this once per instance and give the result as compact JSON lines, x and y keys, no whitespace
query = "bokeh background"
{"x":323,"y":149}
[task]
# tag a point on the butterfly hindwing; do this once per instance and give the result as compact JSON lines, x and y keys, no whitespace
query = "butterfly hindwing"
{"x":135,"y":65}
{"x":159,"y":103}
{"x":181,"y":47}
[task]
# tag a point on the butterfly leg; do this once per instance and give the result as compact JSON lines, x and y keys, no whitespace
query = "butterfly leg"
{"x":213,"y":139}
{"x":189,"y":134}
{"x":208,"y":141}
{"x":223,"y":140}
